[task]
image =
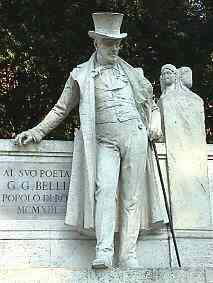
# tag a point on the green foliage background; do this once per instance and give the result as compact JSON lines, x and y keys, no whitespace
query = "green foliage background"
{"x":42,"y":40}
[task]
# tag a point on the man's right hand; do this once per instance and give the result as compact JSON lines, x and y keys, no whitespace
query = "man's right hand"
{"x":24,"y":138}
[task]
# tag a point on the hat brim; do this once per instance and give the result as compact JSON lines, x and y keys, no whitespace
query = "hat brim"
{"x":94,"y":34}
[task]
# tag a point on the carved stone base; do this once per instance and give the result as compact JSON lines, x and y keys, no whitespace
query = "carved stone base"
{"x":61,"y":275}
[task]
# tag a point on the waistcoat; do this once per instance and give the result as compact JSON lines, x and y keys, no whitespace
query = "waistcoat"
{"x":114,"y":99}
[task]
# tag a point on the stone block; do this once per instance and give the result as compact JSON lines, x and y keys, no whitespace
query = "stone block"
{"x":209,"y":275}
{"x":112,"y":276}
{"x":193,"y":253}
{"x":153,"y":253}
{"x":62,"y":275}
{"x":43,"y":275}
{"x":73,"y":254}
{"x":24,"y":253}
{"x":34,"y":180}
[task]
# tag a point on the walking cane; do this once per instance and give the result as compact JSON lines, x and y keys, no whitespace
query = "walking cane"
{"x":165,"y":201}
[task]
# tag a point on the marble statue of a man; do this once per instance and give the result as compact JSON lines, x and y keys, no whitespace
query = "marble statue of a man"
{"x":111,"y":147}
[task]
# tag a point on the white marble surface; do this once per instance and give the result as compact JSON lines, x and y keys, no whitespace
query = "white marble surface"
{"x":61,"y":151}
{"x":62,"y":275}
{"x":186,"y":159}
{"x":194,"y":253}
{"x":34,"y":180}
{"x":42,"y":243}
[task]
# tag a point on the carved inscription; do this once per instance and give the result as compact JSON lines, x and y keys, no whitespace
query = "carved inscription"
{"x":34,"y":190}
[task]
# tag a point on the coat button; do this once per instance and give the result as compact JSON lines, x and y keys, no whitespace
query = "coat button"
{"x":140,"y":126}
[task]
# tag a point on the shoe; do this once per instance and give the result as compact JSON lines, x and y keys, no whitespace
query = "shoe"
{"x":130,"y":263}
{"x":102,"y":263}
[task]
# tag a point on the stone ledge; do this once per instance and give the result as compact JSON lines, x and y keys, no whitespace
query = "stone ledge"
{"x":61,"y":275}
{"x":7,"y":147}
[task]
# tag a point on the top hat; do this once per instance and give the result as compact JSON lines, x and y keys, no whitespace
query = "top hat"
{"x":107,"y":25}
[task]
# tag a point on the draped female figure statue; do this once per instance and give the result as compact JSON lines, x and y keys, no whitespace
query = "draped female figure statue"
{"x":184,"y":131}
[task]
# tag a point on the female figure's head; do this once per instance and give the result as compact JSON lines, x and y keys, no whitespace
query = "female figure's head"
{"x":168,"y":77}
{"x":186,"y":76}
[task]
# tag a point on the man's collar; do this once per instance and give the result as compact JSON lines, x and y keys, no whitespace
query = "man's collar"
{"x":98,"y":68}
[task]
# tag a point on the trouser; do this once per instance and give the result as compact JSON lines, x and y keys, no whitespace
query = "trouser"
{"x":121,"y":156}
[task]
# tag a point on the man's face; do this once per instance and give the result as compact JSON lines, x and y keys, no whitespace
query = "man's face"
{"x":108,"y":49}
{"x":168,"y":77}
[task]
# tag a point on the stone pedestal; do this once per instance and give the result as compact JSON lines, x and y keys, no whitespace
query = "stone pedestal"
{"x":36,"y":245}
{"x":62,"y":275}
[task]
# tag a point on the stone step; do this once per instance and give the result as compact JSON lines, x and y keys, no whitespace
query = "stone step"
{"x":62,"y":275}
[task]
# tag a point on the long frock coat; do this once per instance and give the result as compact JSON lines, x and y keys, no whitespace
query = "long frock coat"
{"x":80,"y":89}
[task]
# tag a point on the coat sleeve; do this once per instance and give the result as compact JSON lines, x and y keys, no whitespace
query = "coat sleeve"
{"x":144,"y":98}
{"x":148,"y":108}
{"x":67,"y":101}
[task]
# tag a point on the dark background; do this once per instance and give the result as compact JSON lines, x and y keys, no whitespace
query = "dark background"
{"x":42,"y":40}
